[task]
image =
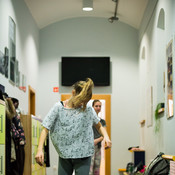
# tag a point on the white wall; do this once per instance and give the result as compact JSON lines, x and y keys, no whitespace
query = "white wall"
{"x":151,"y":70}
{"x":27,"y":46}
{"x":95,"y":37}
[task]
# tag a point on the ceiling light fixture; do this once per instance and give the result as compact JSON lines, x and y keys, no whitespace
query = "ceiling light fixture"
{"x":114,"y":18}
{"x":87,"y":5}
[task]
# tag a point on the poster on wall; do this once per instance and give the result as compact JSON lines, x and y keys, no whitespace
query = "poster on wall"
{"x":23,"y":82}
{"x":2,"y":62}
{"x":12,"y":69}
{"x":169,"y":57}
{"x":17,"y":74}
{"x":12,"y":48}
{"x":6,"y":57}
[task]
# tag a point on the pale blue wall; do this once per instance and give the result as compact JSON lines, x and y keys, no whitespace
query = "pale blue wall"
{"x":95,"y":37}
{"x":27,"y":46}
{"x":151,"y":72}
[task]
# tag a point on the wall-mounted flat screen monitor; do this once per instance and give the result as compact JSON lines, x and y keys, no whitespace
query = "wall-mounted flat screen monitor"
{"x":74,"y":69}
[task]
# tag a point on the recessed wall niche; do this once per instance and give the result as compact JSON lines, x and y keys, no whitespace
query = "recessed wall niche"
{"x":161,"y":19}
{"x":160,"y":58}
{"x":143,"y":53}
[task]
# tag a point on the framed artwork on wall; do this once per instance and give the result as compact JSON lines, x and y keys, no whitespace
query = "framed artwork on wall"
{"x":12,"y":69}
{"x":2,"y":88}
{"x":23,"y":82}
{"x":2,"y":62}
{"x":17,"y":74}
{"x":169,"y":56}
{"x":6,"y":57}
{"x":12,"y":49}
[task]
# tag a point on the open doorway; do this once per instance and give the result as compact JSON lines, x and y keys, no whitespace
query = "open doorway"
{"x":106,"y":99}
{"x":31,"y":101}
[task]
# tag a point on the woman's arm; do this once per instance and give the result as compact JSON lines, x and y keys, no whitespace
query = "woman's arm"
{"x":104,"y":133}
{"x":98,"y":140}
{"x":40,"y":155}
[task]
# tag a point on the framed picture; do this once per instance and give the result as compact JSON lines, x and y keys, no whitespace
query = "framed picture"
{"x":2,"y":88}
{"x":6,"y":57}
{"x":17,"y":76}
{"x":12,"y":49}
{"x":23,"y":83}
{"x":169,"y":56}
{"x":2,"y":63}
{"x":12,"y":29}
{"x":12,"y":69}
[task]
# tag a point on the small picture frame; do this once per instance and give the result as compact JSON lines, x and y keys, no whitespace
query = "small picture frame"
{"x":23,"y":87}
{"x":170,"y":101}
{"x":12,"y":50}
{"x":12,"y":69}
{"x":17,"y":77}
{"x":6,"y":57}
{"x":2,"y":63}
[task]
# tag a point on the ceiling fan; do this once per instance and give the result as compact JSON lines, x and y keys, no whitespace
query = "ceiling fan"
{"x":114,"y":18}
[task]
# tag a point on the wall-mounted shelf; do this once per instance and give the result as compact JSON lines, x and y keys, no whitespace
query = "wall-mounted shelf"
{"x":159,"y":109}
{"x":171,"y":159}
{"x":168,"y":157}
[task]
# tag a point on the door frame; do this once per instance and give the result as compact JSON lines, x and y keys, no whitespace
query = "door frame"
{"x":31,"y":101}
{"x":107,"y":99}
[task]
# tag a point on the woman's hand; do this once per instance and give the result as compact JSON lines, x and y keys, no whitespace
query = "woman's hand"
{"x":108,"y":143}
{"x":40,"y":155}
{"x":40,"y":158}
{"x":104,"y":133}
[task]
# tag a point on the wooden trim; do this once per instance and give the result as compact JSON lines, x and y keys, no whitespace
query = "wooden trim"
{"x":122,"y":169}
{"x":107,"y":98}
{"x":168,"y":157}
{"x":31,"y":101}
{"x":27,"y":126}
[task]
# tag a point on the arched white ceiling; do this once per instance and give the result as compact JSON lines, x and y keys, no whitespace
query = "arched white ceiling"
{"x":46,"y":12}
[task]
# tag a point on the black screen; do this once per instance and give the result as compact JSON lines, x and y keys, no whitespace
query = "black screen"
{"x":74,"y":69}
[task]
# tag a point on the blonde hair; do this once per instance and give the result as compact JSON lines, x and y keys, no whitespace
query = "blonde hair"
{"x":10,"y":108}
{"x":83,"y":93}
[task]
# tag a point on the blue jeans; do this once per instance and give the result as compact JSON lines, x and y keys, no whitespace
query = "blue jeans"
{"x":80,"y":165}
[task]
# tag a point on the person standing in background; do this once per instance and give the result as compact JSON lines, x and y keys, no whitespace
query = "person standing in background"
{"x":98,"y":138}
{"x":9,"y":112}
{"x":19,"y":140}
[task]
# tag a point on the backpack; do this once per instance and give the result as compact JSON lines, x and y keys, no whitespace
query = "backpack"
{"x":159,"y":166}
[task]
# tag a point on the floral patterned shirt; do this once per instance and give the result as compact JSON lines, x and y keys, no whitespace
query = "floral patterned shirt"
{"x":71,"y":130}
{"x":17,"y":130}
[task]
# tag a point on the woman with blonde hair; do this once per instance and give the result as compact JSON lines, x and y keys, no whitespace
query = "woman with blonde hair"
{"x":70,"y":125}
